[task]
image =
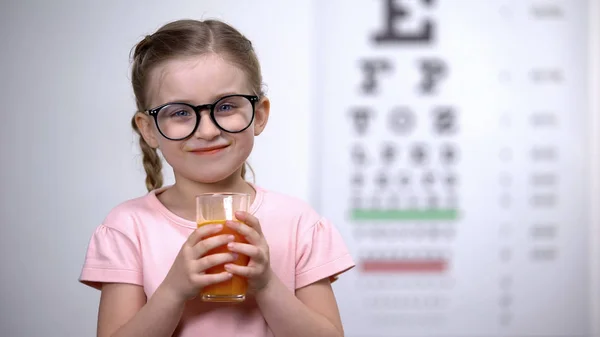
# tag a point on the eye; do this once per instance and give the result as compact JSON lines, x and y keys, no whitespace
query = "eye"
{"x":225,"y":107}
{"x":180,"y":113}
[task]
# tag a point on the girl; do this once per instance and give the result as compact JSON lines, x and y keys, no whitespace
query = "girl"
{"x":198,"y":92}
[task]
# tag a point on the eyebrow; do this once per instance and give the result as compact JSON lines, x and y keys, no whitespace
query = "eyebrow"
{"x":212,"y":100}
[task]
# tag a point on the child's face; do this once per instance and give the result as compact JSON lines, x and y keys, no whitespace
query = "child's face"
{"x":202,"y":80}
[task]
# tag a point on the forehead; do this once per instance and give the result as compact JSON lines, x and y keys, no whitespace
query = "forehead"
{"x":197,"y":80}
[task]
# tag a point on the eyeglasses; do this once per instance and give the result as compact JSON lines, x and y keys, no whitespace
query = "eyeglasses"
{"x":178,"y":121}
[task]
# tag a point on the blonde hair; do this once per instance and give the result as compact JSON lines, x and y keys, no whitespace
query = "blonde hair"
{"x":184,"y":38}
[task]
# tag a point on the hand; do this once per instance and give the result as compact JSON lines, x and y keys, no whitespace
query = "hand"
{"x":186,"y":276}
{"x":258,"y":271}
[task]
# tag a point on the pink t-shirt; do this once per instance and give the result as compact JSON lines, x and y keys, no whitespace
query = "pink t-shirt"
{"x":140,"y":238}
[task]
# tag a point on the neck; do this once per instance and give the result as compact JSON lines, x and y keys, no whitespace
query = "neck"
{"x":184,"y":191}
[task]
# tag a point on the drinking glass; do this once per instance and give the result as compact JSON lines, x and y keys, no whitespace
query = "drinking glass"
{"x":214,"y":208}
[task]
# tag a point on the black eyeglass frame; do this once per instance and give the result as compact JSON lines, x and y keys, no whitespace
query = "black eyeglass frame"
{"x":197,"y":108}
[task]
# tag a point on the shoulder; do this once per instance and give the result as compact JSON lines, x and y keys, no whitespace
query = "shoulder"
{"x":126,"y":216}
{"x":114,"y":252}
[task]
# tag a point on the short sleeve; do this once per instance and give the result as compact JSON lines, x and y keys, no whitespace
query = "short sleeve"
{"x":321,"y":253}
{"x":112,"y":256}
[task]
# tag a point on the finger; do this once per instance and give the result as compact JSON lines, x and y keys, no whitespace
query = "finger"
{"x":251,"y":235}
{"x":204,"y":246}
{"x":212,"y":260}
{"x":250,"y":220}
{"x":251,"y":251}
{"x":244,"y":271}
{"x":203,"y":231}
{"x":207,"y":279}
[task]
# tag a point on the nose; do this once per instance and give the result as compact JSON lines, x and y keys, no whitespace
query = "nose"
{"x":207,"y":129}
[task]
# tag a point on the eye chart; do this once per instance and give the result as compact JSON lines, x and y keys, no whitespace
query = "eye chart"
{"x":453,"y":141}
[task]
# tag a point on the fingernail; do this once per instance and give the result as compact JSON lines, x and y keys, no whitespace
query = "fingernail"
{"x":230,"y":245}
{"x":231,"y":238}
{"x":234,"y":255}
{"x":219,"y":226}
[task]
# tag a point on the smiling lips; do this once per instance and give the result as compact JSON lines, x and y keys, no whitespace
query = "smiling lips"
{"x":209,"y":150}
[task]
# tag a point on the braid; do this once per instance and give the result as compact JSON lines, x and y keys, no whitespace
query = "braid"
{"x":244,"y":171}
{"x":152,"y":166}
{"x":151,"y":161}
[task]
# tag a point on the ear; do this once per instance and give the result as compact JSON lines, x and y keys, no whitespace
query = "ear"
{"x":261,"y":115}
{"x":147,"y":130}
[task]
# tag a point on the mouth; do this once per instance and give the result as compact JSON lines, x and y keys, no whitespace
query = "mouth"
{"x":209,"y":150}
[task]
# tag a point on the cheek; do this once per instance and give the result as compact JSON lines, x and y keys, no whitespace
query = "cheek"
{"x":170,"y":150}
{"x":245,"y":141}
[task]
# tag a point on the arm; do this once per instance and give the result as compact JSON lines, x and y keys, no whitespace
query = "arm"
{"x":124,"y":312}
{"x":311,"y":312}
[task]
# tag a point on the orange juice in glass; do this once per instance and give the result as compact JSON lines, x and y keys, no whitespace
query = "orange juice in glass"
{"x":217,"y":208}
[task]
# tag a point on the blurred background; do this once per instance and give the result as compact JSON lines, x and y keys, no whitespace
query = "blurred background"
{"x":454,"y":144}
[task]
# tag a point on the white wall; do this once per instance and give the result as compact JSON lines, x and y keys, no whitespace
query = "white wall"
{"x":67,"y":148}
{"x":594,"y":129}
{"x":68,"y":154}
